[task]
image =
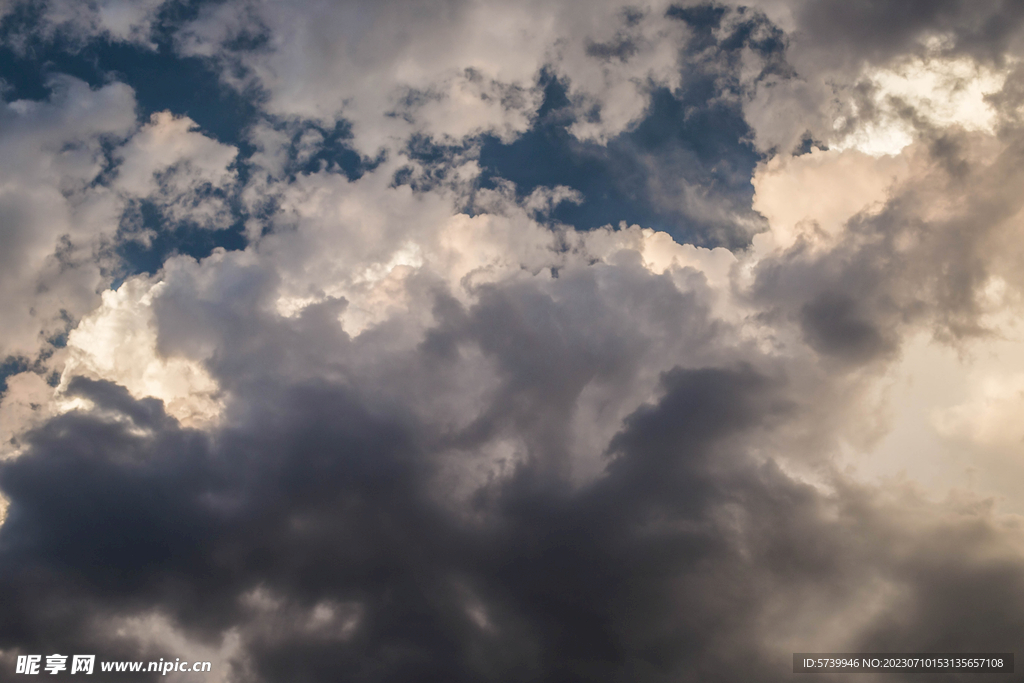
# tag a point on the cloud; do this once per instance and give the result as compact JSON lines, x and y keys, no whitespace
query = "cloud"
{"x":880,"y":31}
{"x":184,"y":173}
{"x":117,"y":342}
{"x":687,"y":550}
{"x":424,"y":421}
{"x":78,"y":23}
{"x":53,"y":218}
{"x":76,"y":166}
{"x":874,"y":75}
{"x":482,"y":80}
{"x":905,"y":259}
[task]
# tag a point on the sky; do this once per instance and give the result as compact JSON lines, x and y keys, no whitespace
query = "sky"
{"x":475,"y":340}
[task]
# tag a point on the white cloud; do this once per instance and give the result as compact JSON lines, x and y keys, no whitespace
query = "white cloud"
{"x":801,"y":196}
{"x":452,"y":68}
{"x":175,"y":166}
{"x":53,"y":218}
{"x":59,"y":224}
{"x":118,"y":20}
{"x":117,"y":342}
{"x":941,"y":93}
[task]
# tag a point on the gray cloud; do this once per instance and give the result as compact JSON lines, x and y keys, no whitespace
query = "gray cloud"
{"x":895,"y":269}
{"x":881,"y":31}
{"x":319,"y":520}
{"x":480,"y":448}
{"x":681,"y":562}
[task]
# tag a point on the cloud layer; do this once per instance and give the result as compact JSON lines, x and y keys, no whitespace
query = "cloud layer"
{"x":554,"y":342}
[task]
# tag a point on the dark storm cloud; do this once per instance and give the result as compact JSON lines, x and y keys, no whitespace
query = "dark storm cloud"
{"x":645,"y":575}
{"x":407,"y":504}
{"x":682,"y":561}
{"x":328,"y":501}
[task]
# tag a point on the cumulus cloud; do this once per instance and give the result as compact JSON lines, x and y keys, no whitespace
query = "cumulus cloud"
{"x":418,"y":424}
{"x":183,"y":172}
{"x":52,"y":214}
{"x":77,"y":168}
{"x":317,"y":531}
{"x":449,"y":69}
